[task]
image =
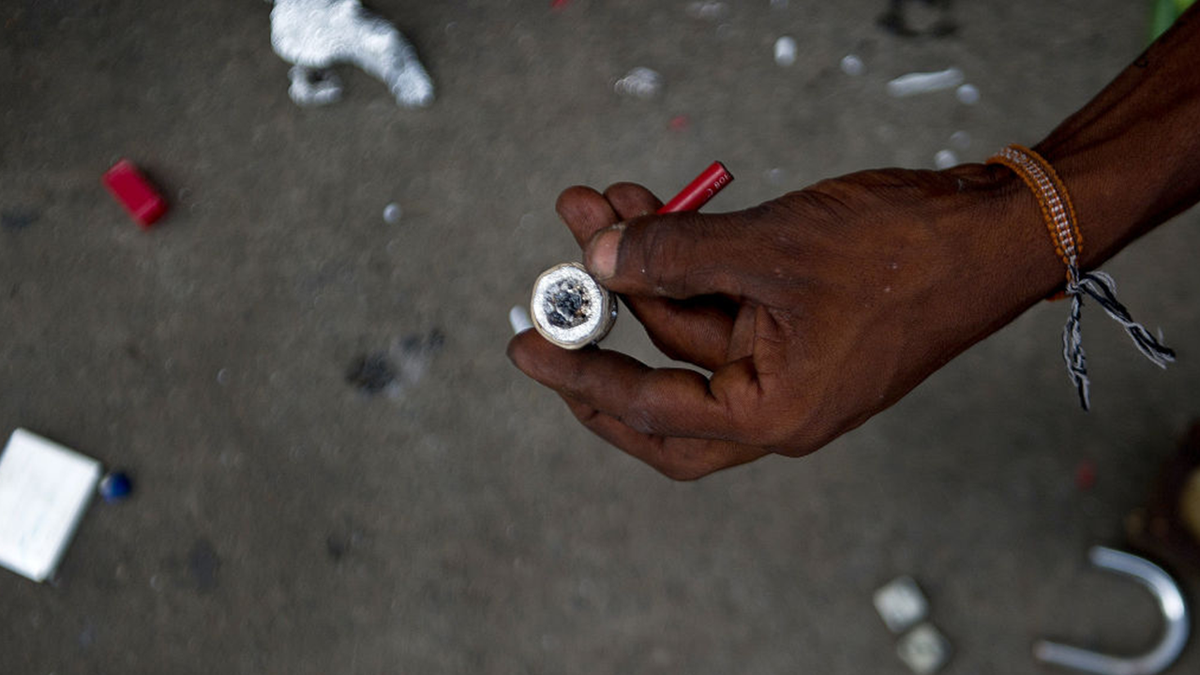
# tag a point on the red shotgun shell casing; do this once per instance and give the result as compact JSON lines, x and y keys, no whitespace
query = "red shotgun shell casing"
{"x":699,"y":191}
{"x":135,"y":192}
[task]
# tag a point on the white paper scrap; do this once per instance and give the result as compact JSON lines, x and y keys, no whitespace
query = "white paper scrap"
{"x":44,"y":490}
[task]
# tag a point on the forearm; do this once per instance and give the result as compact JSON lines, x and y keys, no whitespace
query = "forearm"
{"x":1131,"y":157}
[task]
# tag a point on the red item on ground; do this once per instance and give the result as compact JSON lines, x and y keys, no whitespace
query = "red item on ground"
{"x":1085,"y":474}
{"x":699,"y":191}
{"x":135,"y":192}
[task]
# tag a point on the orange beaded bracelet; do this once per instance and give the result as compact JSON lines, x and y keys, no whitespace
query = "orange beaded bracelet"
{"x":1059,"y":215}
{"x":1052,"y":198}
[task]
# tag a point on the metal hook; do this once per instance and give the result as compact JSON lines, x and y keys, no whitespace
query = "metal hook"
{"x":1175,"y":618}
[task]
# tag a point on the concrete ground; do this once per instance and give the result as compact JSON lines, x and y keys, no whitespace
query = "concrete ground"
{"x":460,"y":521}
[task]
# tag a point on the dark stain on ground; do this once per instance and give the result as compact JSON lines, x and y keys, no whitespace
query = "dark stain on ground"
{"x":423,"y":344}
{"x":898,"y":18}
{"x":397,"y":368}
{"x":337,"y":546}
{"x":17,"y":220}
{"x":344,"y":540}
{"x":203,"y":565}
{"x":371,"y":373}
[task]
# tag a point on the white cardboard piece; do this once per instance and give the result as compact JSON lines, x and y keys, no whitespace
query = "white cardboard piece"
{"x":44,"y":490}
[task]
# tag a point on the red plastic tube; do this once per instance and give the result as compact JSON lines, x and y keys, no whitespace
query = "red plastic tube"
{"x":135,"y":192}
{"x":706,"y":186}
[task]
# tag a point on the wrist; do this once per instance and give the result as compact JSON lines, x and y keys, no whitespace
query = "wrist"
{"x":1131,"y":158}
{"x":1006,"y":239}
{"x":1120,"y":195}
{"x":1061,"y":218}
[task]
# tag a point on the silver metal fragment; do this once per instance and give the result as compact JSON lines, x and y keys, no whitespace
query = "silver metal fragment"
{"x":640,"y":82}
{"x":317,"y":34}
{"x":944,"y":159}
{"x":924,"y":650}
{"x":1176,"y":625}
{"x":852,"y":65}
{"x":968,"y":94}
{"x":785,"y":51}
{"x":901,"y":604}
{"x":392,"y":213}
{"x":570,"y":308}
{"x":921,"y":83}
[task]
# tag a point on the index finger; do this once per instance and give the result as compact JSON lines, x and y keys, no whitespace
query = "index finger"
{"x":585,"y":212}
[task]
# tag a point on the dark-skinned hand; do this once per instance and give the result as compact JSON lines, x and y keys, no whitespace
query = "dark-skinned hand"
{"x":812,"y":312}
{"x":816,"y":310}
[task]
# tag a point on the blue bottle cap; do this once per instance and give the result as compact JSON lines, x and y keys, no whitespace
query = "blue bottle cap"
{"x":115,"y":487}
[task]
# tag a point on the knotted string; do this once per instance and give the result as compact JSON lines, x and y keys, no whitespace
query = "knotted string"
{"x":1103,"y":289}
{"x":1059,"y":216}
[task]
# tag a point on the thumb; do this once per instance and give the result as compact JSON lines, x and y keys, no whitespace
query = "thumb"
{"x":678,"y":255}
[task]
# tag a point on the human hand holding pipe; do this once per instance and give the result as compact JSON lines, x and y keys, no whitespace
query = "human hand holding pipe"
{"x":810,"y":312}
{"x":814,"y":311}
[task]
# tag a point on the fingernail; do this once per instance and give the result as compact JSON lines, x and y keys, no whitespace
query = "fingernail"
{"x":602,"y":252}
{"x":518,"y":318}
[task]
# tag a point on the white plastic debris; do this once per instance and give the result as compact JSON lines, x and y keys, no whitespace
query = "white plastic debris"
{"x":314,"y":35}
{"x":519,"y":319}
{"x":944,"y":159}
{"x":785,"y":51}
{"x":901,"y":604}
{"x":852,"y":65}
{"x":921,"y":83}
{"x":44,"y":490}
{"x":710,"y":11}
{"x":392,"y":213}
{"x":640,"y":82}
{"x":924,"y":650}
{"x":968,"y":94}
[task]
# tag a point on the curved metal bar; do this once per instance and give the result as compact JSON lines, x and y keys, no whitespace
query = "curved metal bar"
{"x":1170,"y":601}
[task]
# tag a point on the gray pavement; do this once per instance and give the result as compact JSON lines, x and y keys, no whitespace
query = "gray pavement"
{"x":285,"y":522}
